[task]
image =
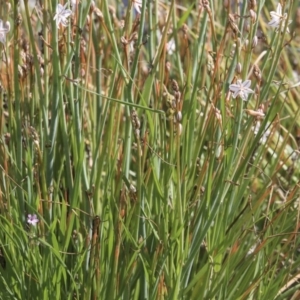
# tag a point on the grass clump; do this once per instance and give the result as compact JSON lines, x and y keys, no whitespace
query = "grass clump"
{"x":149,"y":150}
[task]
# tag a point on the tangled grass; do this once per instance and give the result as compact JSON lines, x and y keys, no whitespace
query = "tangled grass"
{"x":137,"y":160}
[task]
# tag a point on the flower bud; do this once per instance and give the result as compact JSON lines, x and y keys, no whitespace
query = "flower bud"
{"x":245,"y":46}
{"x":179,"y":131}
{"x":254,"y":42}
{"x":6,"y":26}
{"x":132,"y":188}
{"x":238,"y":68}
{"x":168,"y":66}
{"x":121,"y":24}
{"x":253,"y":15}
{"x":8,"y":7}
{"x":88,"y":20}
{"x":179,"y":116}
{"x":247,"y":27}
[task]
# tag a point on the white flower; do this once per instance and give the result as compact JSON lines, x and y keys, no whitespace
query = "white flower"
{"x":251,"y":250}
{"x":32,"y":219}
{"x":241,"y":89}
{"x":137,"y":4}
{"x":62,"y":14}
{"x":73,"y":5}
{"x":278,"y":18}
{"x":4,"y":29}
{"x":131,"y":47}
{"x":264,"y":137}
{"x":170,"y":45}
{"x":258,"y":114}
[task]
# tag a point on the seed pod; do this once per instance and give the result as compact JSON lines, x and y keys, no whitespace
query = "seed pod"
{"x":175,"y":85}
{"x":226,"y":4}
{"x":92,"y":7}
{"x":233,"y":26}
{"x":297,"y":19}
{"x":123,"y":40}
{"x":257,"y":72}
{"x":252,"y":4}
{"x":98,"y":13}
{"x":135,"y":119}
{"x":185,"y":28}
{"x":258,"y":114}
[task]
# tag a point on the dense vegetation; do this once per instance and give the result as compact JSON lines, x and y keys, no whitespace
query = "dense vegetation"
{"x":149,"y":150}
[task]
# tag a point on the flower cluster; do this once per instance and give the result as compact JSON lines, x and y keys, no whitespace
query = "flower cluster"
{"x":278,"y":21}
